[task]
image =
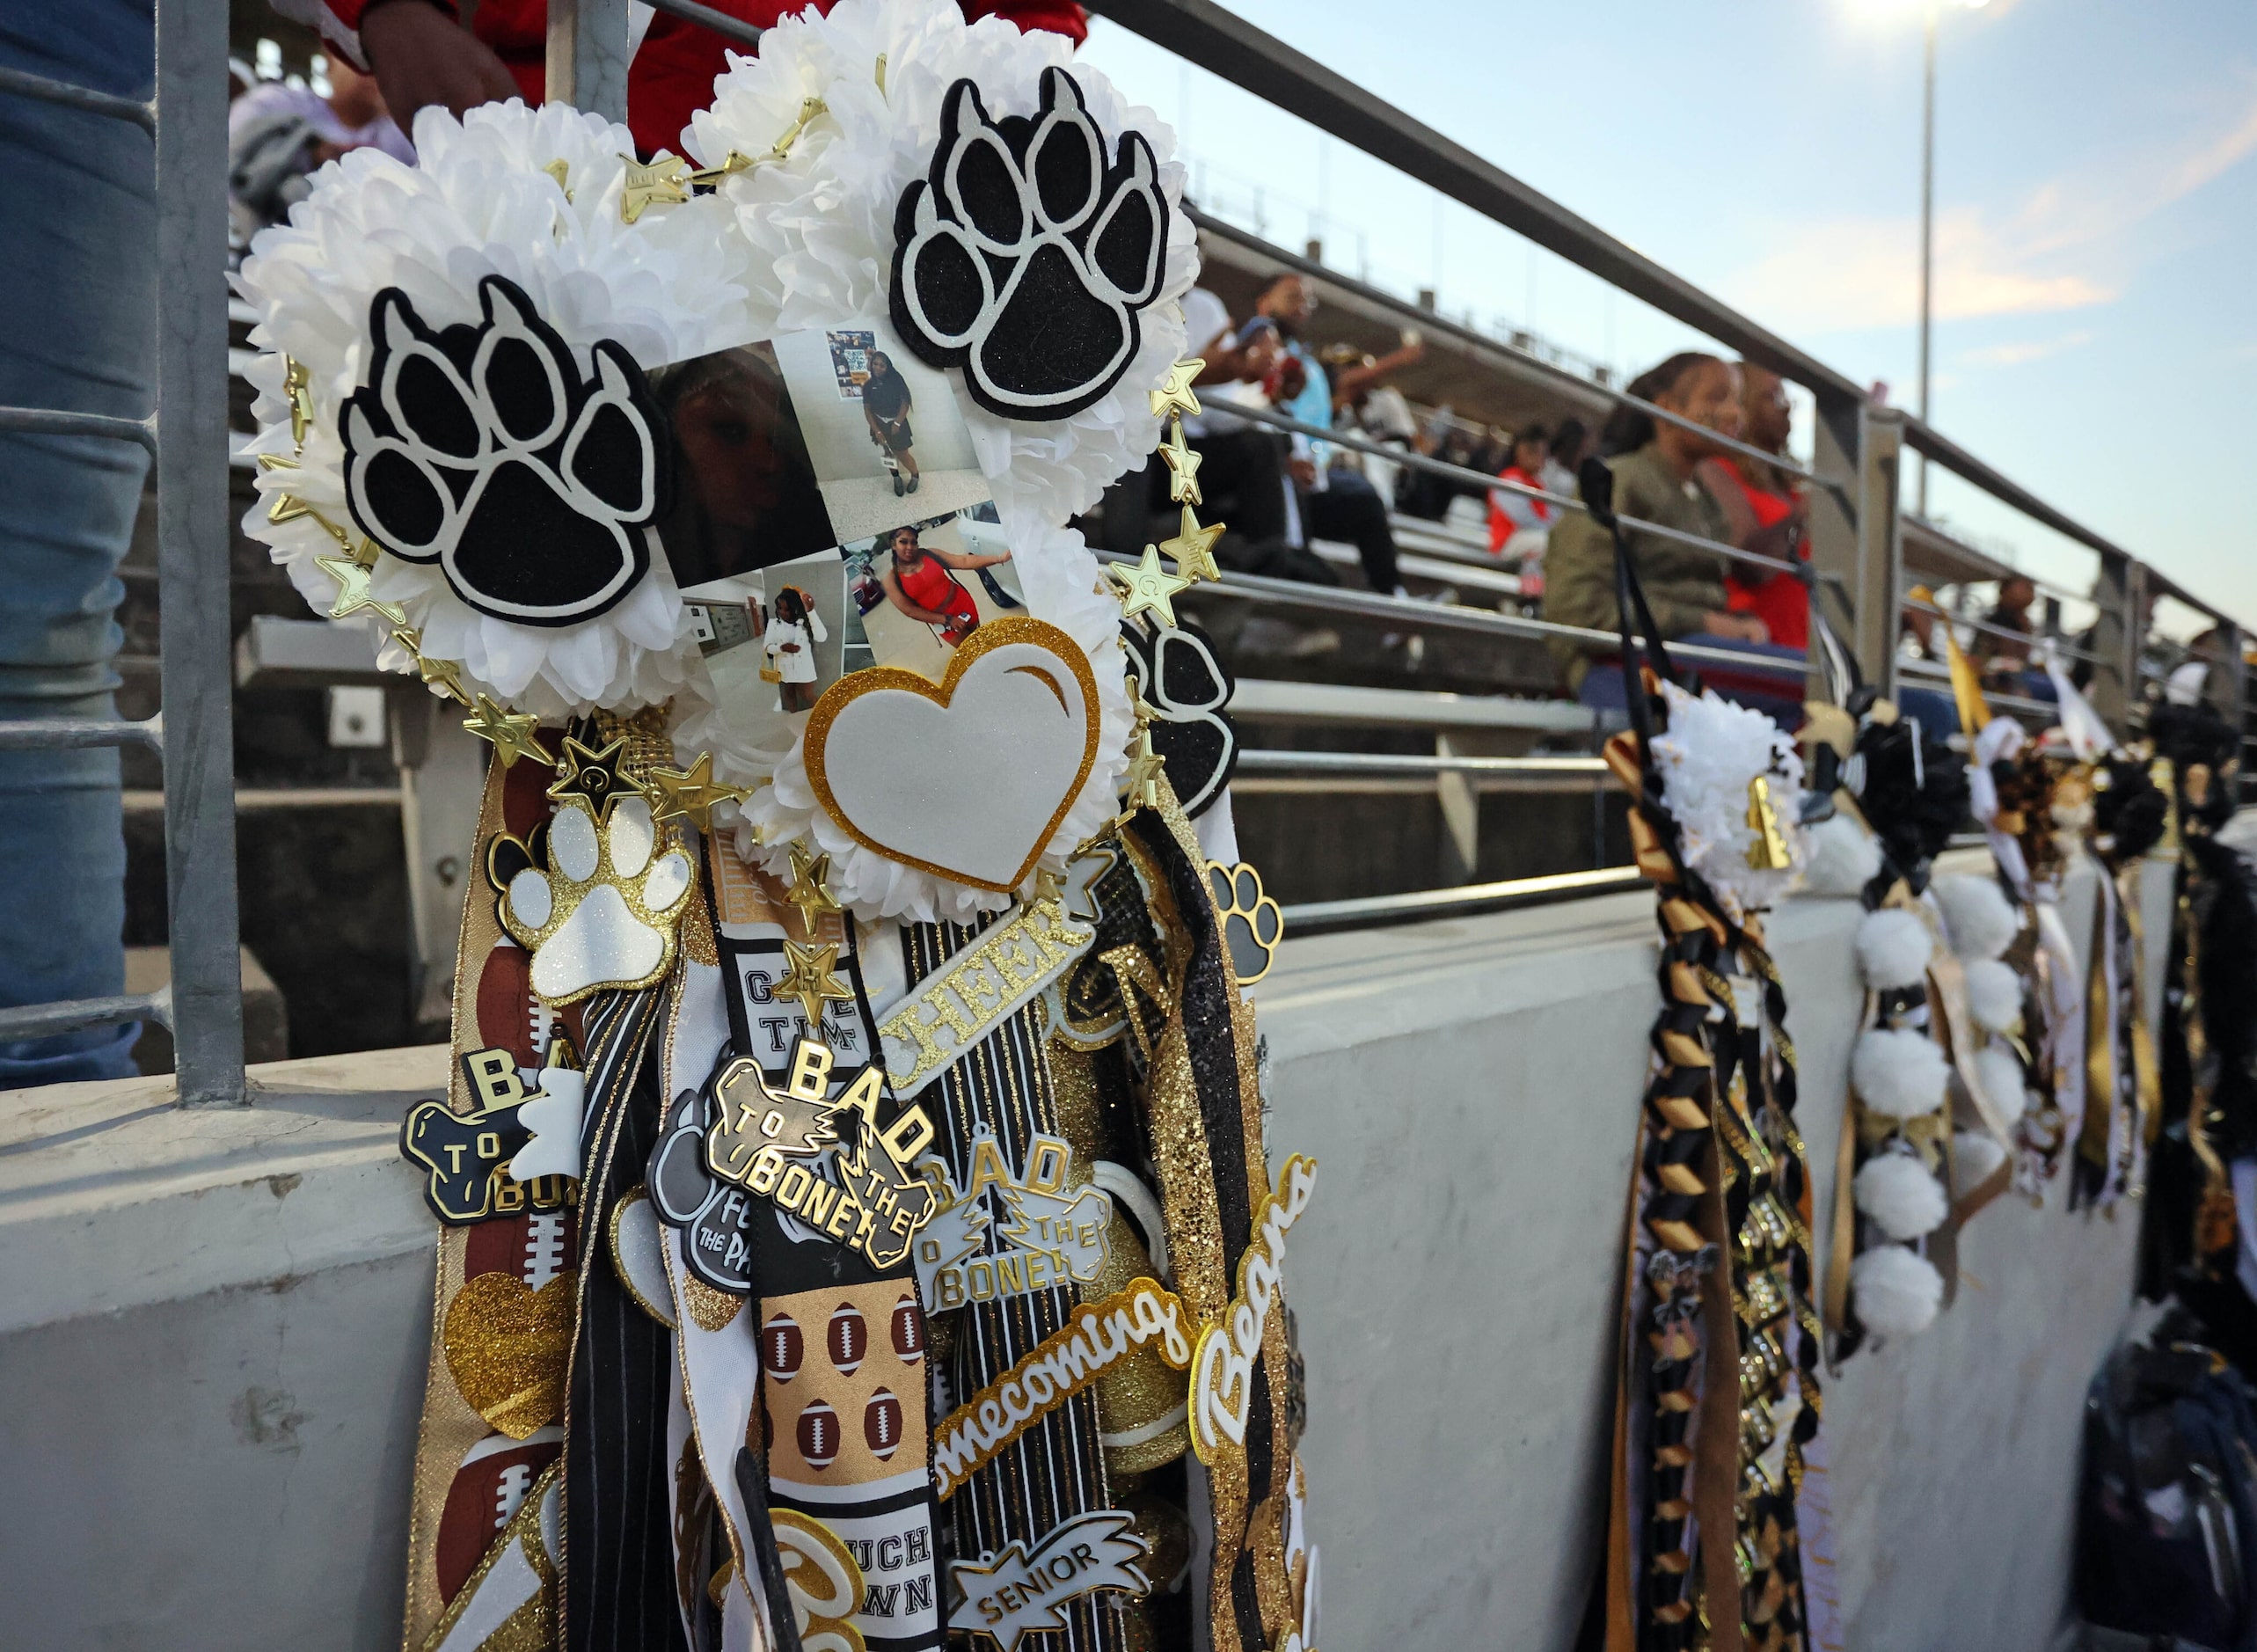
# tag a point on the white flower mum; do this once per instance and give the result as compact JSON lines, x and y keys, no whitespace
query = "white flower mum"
{"x":482,"y":201}
{"x":819,"y":227}
{"x":1711,"y":751}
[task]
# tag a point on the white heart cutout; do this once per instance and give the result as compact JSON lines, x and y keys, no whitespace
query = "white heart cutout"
{"x":968,"y":778}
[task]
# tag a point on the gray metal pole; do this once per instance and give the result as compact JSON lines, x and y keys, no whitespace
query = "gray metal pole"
{"x":192,"y":538}
{"x":588,"y":55}
{"x":1927,"y":222}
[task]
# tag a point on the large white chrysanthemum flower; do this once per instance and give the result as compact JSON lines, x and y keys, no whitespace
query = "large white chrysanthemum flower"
{"x":484,"y":198}
{"x":818,"y":225}
{"x":1710,"y":753}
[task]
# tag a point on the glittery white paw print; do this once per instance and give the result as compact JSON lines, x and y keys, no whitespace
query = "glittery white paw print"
{"x":597,"y":905}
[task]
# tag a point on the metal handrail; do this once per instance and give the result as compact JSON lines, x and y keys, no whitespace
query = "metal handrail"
{"x":2006,"y":702}
{"x":1416,"y":613}
{"x":1318,"y":917}
{"x":105,"y":103}
{"x":1463,"y":473}
{"x":1525,"y":362}
{"x":721,"y":23}
{"x":52,"y":734}
{"x":2006,"y":632}
{"x":1375,"y":762}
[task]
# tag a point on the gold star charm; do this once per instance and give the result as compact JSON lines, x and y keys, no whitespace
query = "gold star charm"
{"x":1145,"y":767}
{"x":813,"y":980}
{"x":352,"y":593}
{"x":662,"y":184}
{"x":446,"y":675}
{"x":512,"y":733}
{"x":592,"y":776}
{"x":561,"y":170}
{"x":810,"y":889}
{"x":1148,"y":586}
{"x":737,"y":162}
{"x":1183,"y":467}
{"x":297,"y":386}
{"x":691,"y":793}
{"x":1194,"y":548}
{"x":1175,"y":395}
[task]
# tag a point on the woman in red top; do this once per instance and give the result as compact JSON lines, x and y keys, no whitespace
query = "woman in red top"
{"x":920,"y":584}
{"x":1516,"y":517}
{"x":1765,"y":513}
{"x":421,"y":54}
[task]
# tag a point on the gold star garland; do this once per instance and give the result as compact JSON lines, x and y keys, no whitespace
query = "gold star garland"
{"x":1148,"y":587}
{"x":597,"y":775}
{"x":668,"y":181}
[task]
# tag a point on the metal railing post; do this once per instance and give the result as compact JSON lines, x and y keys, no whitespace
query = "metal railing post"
{"x":193,"y":562}
{"x":1853,"y":532}
{"x":588,"y":55}
{"x":2115,"y":639}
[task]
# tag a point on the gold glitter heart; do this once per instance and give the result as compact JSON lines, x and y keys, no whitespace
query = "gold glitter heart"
{"x":507,"y":1346}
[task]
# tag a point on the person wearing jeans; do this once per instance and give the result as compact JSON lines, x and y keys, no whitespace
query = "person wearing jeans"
{"x":77,"y":290}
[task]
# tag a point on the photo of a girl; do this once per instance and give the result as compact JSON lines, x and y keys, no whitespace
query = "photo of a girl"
{"x":921,"y":583}
{"x":887,"y":405}
{"x":746,"y":495}
{"x":795,"y":627}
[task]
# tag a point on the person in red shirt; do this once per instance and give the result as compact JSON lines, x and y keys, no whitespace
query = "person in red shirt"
{"x":1766,"y":512}
{"x":420,"y":53}
{"x":1518,"y":525}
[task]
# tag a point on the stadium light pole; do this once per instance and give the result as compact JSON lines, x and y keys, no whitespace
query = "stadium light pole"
{"x":1932,"y":13}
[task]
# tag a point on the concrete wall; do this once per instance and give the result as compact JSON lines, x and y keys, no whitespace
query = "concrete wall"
{"x":213,"y":1326}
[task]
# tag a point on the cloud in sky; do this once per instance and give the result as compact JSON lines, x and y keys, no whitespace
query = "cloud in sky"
{"x":2028,"y":350}
{"x":2061,"y":248}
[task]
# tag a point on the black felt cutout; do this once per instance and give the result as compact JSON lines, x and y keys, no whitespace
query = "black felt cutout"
{"x":1025,"y":255}
{"x":484,"y":449}
{"x":1189,"y":688}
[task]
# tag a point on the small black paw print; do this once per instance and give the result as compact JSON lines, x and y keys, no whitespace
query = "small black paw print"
{"x":482,"y":448}
{"x":1179,"y":676}
{"x":1024,"y":256}
{"x":1252,"y":923}
{"x":716,"y":1220}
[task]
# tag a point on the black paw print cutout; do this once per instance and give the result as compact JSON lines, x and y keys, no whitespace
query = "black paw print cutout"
{"x":1188,"y":689}
{"x":1025,"y":255}
{"x":483,"y":449}
{"x":1251,"y":924}
{"x":716,"y":1219}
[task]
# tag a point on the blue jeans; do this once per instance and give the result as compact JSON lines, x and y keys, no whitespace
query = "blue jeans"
{"x":78,"y":291}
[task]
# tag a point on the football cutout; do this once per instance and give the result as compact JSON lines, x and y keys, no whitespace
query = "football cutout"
{"x":881,"y":1424}
{"x":508,"y":1014}
{"x":536,"y":1246}
{"x":907,"y":1328}
{"x":818,"y":1435}
{"x":848,"y":1339}
{"x":781,"y":1347}
{"x":486,"y":1490}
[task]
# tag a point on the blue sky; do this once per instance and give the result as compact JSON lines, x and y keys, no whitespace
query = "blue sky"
{"x":2096,"y":199}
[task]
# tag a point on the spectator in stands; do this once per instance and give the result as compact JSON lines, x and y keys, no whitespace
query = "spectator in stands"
{"x":421,"y":55}
{"x":79,"y":286}
{"x":2006,"y":657}
{"x":1365,"y":403}
{"x":1654,"y":462}
{"x":1764,"y":512}
{"x":1338,"y":505}
{"x":276,"y":134}
{"x":1242,"y":465}
{"x":1519,"y":524}
{"x":1570,"y":445}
